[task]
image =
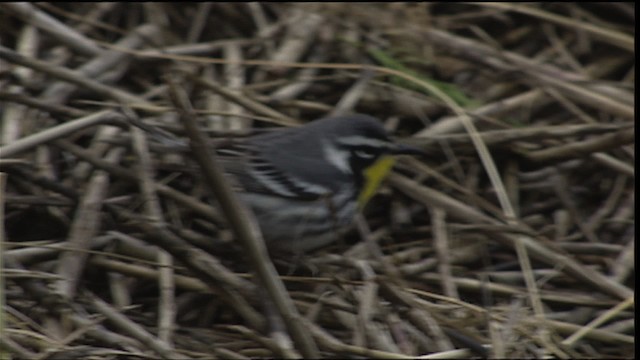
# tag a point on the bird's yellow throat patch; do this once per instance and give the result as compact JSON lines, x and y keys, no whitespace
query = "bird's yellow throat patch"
{"x":373,"y":176}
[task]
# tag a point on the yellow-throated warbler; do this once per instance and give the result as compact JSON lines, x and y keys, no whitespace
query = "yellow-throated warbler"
{"x":305,"y":184}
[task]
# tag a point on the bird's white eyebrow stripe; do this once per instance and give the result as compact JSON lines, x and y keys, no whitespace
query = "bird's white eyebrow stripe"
{"x":363,"y":141}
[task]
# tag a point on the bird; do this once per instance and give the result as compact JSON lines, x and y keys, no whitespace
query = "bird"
{"x":305,"y":184}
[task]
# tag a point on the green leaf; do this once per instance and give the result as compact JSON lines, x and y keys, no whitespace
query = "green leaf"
{"x":449,"y":89}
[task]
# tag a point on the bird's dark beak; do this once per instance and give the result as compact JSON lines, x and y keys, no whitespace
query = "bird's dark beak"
{"x":402,"y":149}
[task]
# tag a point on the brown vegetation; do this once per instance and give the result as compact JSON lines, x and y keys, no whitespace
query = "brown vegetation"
{"x":514,"y":238}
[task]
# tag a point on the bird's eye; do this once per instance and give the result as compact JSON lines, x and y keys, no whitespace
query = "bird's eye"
{"x":365,"y":153}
